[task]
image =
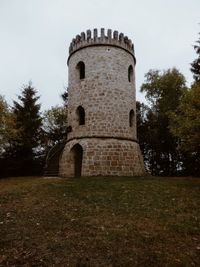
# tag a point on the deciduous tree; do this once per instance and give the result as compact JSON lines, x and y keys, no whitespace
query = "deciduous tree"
{"x":55,"y":124}
{"x":8,"y":132}
{"x":185,"y":124}
{"x":164,"y":91}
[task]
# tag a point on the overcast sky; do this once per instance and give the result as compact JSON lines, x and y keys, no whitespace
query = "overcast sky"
{"x":35,"y":35}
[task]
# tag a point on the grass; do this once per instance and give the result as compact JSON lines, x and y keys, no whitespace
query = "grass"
{"x":103,"y":221}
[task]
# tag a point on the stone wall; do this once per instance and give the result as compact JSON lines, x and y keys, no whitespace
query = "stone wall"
{"x":91,"y":38}
{"x":106,"y":94}
{"x":104,"y":157}
{"x":107,"y":137}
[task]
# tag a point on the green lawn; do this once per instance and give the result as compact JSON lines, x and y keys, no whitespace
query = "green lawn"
{"x":104,"y":221}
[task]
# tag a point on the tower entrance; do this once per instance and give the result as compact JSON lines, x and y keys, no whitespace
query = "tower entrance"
{"x":77,"y":157}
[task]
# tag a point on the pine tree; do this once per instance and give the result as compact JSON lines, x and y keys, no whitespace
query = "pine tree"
{"x":28,"y":125}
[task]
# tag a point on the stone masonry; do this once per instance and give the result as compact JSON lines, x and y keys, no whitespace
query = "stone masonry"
{"x":101,"y":108}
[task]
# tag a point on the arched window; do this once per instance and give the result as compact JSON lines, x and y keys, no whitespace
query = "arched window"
{"x":81,"y":115}
{"x":81,"y":70}
{"x":130,"y":73}
{"x":131,"y":118}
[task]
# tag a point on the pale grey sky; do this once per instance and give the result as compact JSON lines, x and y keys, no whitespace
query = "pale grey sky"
{"x":35,"y":35}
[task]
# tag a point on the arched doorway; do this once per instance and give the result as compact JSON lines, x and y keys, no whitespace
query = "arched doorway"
{"x":77,"y":157}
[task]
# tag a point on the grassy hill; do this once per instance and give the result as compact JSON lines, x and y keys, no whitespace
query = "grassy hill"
{"x":101,"y":221}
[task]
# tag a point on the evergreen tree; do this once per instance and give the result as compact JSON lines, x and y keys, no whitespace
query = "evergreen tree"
{"x":28,"y":125}
{"x":196,"y":63}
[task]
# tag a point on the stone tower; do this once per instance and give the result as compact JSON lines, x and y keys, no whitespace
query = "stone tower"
{"x":101,"y":107}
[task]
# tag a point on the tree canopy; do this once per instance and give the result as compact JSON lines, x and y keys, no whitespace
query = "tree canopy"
{"x":164,"y":91}
{"x":28,"y":118}
{"x":185,"y":124}
{"x":20,"y":156}
{"x":8,"y":132}
{"x":55,"y":124}
{"x":195,"y":65}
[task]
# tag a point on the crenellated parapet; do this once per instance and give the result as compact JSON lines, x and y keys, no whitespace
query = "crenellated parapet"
{"x":93,"y":38}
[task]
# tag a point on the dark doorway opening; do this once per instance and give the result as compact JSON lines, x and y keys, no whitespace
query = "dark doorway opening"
{"x":77,"y":151}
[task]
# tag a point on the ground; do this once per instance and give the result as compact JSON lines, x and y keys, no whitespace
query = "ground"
{"x":103,"y":221}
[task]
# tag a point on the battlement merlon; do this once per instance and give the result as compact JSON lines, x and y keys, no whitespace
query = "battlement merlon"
{"x":93,"y":39}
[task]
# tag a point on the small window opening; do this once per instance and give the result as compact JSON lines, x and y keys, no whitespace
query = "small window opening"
{"x":69,"y":129}
{"x":131,"y":118}
{"x":130,"y":73}
{"x":81,"y":115}
{"x":81,"y":70}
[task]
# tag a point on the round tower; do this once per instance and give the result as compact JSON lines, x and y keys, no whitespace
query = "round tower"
{"x":102,"y":136}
